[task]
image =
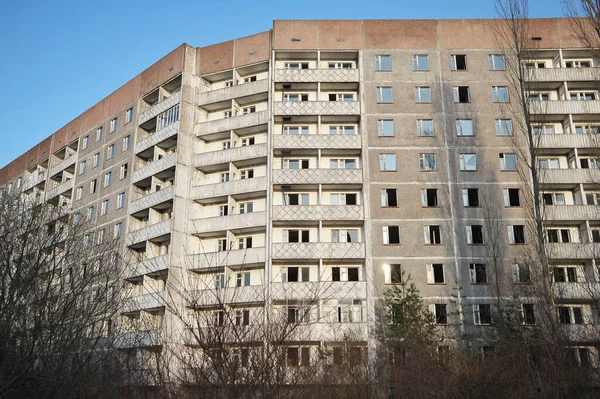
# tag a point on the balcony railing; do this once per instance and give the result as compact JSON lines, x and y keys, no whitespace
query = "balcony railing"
{"x":231,"y":222}
{"x":231,"y":155}
{"x":146,"y":301}
{"x":571,"y":212}
{"x":210,"y":297}
{"x":139,"y":339}
{"x":227,"y":93}
{"x":575,"y":292}
{"x":318,"y":141}
{"x":563,"y":75}
{"x":316,"y":75}
{"x":573,"y":250}
{"x":36,"y":178}
{"x":234,"y":187}
{"x":318,"y":212}
{"x":155,"y":167}
{"x":157,"y":109}
{"x":146,"y":266}
{"x":149,"y":232}
{"x":237,"y":257}
{"x":318,"y":250}
{"x":317,"y":176}
{"x":157,"y":137}
{"x":60,"y":189}
{"x":151,"y":200}
{"x":314,"y":290}
{"x":233,"y":123}
{"x":316,"y":108}
{"x":59,"y":167}
{"x":569,"y":141}
{"x":569,"y":176}
{"x":563,"y":107}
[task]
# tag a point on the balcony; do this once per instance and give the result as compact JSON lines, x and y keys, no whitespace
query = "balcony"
{"x":139,"y":339}
{"x":151,"y":200}
{"x":234,"y":187}
{"x":563,"y":75}
{"x":60,"y":189}
{"x":232,"y":155}
{"x":151,"y":300}
{"x":323,"y":331}
{"x":581,"y":332}
{"x":231,"y":222}
{"x":238,"y":257}
{"x":318,"y":290}
{"x":146,"y":266}
{"x":233,"y":123}
{"x":148,"y":232}
{"x":563,"y":107}
{"x":316,"y":108}
{"x":569,"y":176}
{"x":318,"y":141}
{"x":157,"y":137}
{"x":318,"y":212}
{"x":318,"y":250}
{"x":155,"y":167}
{"x":212,"y":297}
{"x":575,"y":292}
{"x":571,"y":212}
{"x":159,"y":108}
{"x":36,"y":178}
{"x":568,"y":141}
{"x":317,"y":176}
{"x":227,"y":93}
{"x":316,"y":75}
{"x":573,"y":250}
{"x":63,"y":165}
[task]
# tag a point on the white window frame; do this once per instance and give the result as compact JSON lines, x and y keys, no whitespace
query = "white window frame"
{"x":467,"y":162}
{"x":425,"y":128}
{"x":387,"y":162}
{"x":464,"y":128}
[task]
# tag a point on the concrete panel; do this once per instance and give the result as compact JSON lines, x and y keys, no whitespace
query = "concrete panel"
{"x":3,"y":175}
{"x":123,"y":96}
{"x":74,"y":129}
{"x":295,"y":35}
{"x":252,"y":49}
{"x":16,"y":167}
{"x":94,"y":115}
{"x":43,"y":150}
{"x":478,"y":33}
{"x":31,"y":157}
{"x":171,"y":64}
{"x":60,"y":140}
{"x":547,"y":29}
{"x":338,"y":35}
{"x":569,"y":33}
{"x":217,"y":57}
{"x":419,"y":34}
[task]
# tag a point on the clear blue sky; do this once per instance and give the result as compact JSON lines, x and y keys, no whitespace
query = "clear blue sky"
{"x":59,"y":58}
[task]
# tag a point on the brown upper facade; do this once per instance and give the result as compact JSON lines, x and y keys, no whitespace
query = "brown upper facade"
{"x":293,"y":35}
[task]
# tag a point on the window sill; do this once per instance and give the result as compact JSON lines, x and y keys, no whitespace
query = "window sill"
{"x":385,"y":102}
{"x":431,"y":170}
{"x":439,"y":284}
{"x":391,"y":245}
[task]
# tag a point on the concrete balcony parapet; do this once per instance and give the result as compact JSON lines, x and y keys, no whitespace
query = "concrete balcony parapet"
{"x":231,"y":155}
{"x":316,"y":75}
{"x":318,"y":212}
{"x":151,"y":200}
{"x":154,"y":167}
{"x":233,"y":123}
{"x":316,"y":108}
{"x":149,"y":232}
{"x":318,"y":141}
{"x":318,"y":250}
{"x":317,"y":176}
{"x":157,"y":137}
{"x":159,"y":108}
{"x":237,"y":91}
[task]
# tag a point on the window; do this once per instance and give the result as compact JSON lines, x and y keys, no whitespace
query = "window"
{"x":295,"y":130}
{"x":500,"y":94}
{"x":435,"y":273}
{"x":439,"y":313}
{"x":96,"y":160}
{"x":512,"y":197}
{"x":433,"y":236}
{"x":589,"y":163}
{"x":521,"y":273}
{"x":497,"y":62}
{"x":296,"y":65}
{"x":88,"y":240}
{"x":297,"y":199}
{"x":120,"y":200}
{"x":340,"y":129}
{"x":244,"y":242}
{"x":295,"y":164}
{"x":392,"y":273}
{"x":461,"y":94}
{"x":578,"y":64}
{"x":470,"y":197}
{"x":558,"y":235}
{"x":553,"y":198}
{"x":296,"y":274}
{"x":91,"y":212}
{"x":248,"y":141}
{"x":77,"y":218}
{"x":107,"y":179}
{"x":387,"y":162}
{"x":383,"y":63}
{"x":295,"y":97}
{"x":508,"y":161}
{"x":464,"y":127}
{"x":113,"y":125}
{"x":482,"y":314}
{"x":249,"y":110}
{"x":583,"y":96}
{"x":223,"y":210}
{"x":104,"y":208}
{"x":423,"y":94}
{"x":341,"y":65}
{"x":458,"y":62}
{"x":384,"y":95}
{"x":110,"y":151}
{"x":296,"y":235}
{"x":123,"y":171}
{"x":226,"y":145}
{"x":565,"y":275}
{"x":342,"y":164}
{"x":220,"y":280}
{"x":475,"y":234}
{"x":82,"y":166}
{"x":246,"y":207}
{"x":344,"y":274}
{"x":117,"y":230}
{"x":527,"y":314}
{"x":595,"y":236}
{"x":342,"y":199}
{"x":93,"y":184}
{"x":504,"y":127}
{"x":341,"y":97}
{"x":429,"y":197}
{"x":126,"y":143}
{"x":391,"y":235}
{"x":99,"y":133}
{"x":85,"y":142}
{"x":249,"y":79}
{"x":389,"y":197}
{"x":467,"y":162}
{"x":420,"y":63}
{"x":222,"y":245}
{"x":128,"y":115}
{"x":385,"y":127}
{"x":424,"y":127}
{"x":478,"y":272}
{"x":224,"y":177}
{"x":538,"y":97}
{"x":516,"y":234}
{"x":242,"y":317}
{"x":242,"y":279}
{"x":570,"y":315}
{"x":349,"y":235}
{"x":427,"y":162}
{"x":548,"y":163}
{"x":78,"y":193}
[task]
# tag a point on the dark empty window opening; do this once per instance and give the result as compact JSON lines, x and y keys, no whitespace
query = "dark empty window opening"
{"x":438,"y":273}
{"x":353,"y":274}
{"x":435,"y":236}
{"x":350,"y":199}
{"x":393,"y":235}
{"x":461,"y":94}
{"x":292,"y":274}
{"x":431,"y":197}
{"x":472,"y":197}
{"x":477,"y":234}
{"x":513,"y":197}
{"x":459,"y":62}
